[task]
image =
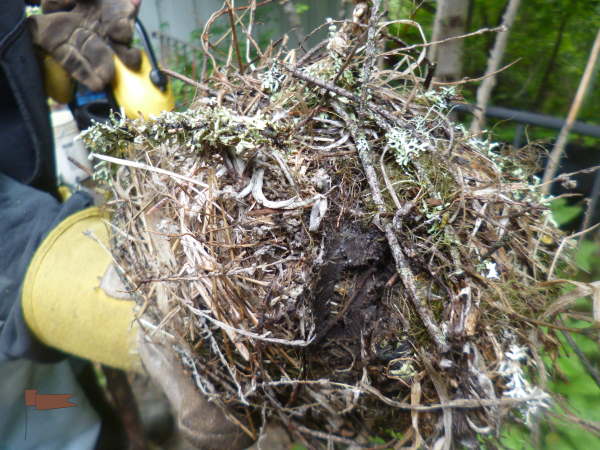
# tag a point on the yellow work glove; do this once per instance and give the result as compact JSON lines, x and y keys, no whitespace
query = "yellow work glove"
{"x":65,"y":300}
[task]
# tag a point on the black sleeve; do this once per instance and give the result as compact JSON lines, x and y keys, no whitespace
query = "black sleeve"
{"x":26,"y":217}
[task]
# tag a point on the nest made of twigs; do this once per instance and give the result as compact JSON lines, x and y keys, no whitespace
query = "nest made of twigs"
{"x":334,"y":252}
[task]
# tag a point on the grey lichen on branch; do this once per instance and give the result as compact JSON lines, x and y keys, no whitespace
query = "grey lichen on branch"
{"x":402,"y":266}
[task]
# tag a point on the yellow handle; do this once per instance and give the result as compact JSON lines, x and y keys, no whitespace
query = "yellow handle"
{"x":132,"y":90}
{"x":59,"y":86}
{"x":135,"y":92}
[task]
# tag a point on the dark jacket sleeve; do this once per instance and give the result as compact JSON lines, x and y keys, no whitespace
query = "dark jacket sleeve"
{"x":26,"y":143}
{"x":27,"y":216}
{"x":27,"y":212}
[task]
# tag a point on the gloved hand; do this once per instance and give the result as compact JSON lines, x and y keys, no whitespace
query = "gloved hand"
{"x":74,"y":300}
{"x":83,"y":35}
{"x":202,"y":423}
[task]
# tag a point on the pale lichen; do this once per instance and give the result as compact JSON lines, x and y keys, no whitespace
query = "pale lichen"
{"x":405,"y":145}
{"x":518,"y":387}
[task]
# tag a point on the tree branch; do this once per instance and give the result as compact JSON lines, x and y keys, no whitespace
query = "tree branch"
{"x":561,"y":142}
{"x":485,"y":90}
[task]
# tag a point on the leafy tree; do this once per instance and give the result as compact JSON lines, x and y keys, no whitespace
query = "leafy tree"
{"x":551,"y":39}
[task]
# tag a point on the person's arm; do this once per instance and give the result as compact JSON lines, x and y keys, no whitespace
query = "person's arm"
{"x":28,"y":215}
{"x":73,"y":300}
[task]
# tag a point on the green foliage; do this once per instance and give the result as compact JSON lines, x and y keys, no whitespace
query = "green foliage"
{"x":541,"y":26}
{"x":568,"y":377}
{"x":551,"y":39}
{"x":516,"y":438}
{"x":572,"y":381}
{"x":301,"y":8}
{"x":410,"y":9}
{"x":401,"y":9}
{"x":588,"y":259}
{"x":564,"y":213}
{"x":389,"y":435}
{"x":298,"y":447}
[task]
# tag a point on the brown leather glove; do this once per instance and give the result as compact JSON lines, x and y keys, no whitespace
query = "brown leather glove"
{"x":83,"y":36}
{"x":202,"y":423}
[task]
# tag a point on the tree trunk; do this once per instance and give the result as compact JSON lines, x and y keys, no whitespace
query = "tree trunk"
{"x":295,"y":21}
{"x":450,"y":20}
{"x":485,"y":90}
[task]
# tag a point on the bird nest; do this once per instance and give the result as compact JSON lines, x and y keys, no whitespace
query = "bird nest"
{"x":331,"y":252}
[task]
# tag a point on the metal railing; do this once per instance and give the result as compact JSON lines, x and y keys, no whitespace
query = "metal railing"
{"x":175,"y":53}
{"x":523,"y":118}
{"x":530,"y":118}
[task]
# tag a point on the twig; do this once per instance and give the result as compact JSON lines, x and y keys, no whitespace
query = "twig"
{"x":340,"y":91}
{"x":80,"y":166}
{"x":223,"y":325}
{"x":206,"y":44}
{"x":460,"y":403}
{"x":348,"y":61}
{"x":370,"y":56}
{"x":249,"y":34}
{"x":566,"y":177}
{"x":501,"y":28}
{"x":587,"y":425}
{"x":591,"y":370}
{"x":442,"y":392}
{"x":320,"y":83}
{"x":561,"y":142}
{"x":139,"y":165}
{"x":328,"y":436}
{"x":236,"y":44}
{"x":561,"y":246}
{"x":592,"y":204}
{"x":402,"y":266}
{"x":189,"y":81}
{"x":475,"y":80}
{"x":388,"y":183}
